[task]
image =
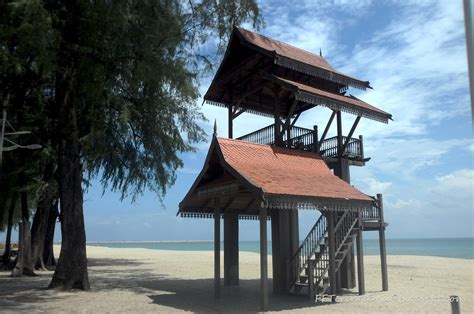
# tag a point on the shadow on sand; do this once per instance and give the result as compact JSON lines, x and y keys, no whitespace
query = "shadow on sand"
{"x":195,"y":295}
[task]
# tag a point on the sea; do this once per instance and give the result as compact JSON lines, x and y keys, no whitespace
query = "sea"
{"x":449,"y":247}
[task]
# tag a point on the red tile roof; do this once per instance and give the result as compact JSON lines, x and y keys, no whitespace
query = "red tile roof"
{"x":296,"y":54}
{"x":283,"y":171}
{"x":284,"y":49}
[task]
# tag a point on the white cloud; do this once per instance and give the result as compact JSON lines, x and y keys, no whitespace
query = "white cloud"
{"x":404,"y":204}
{"x":459,"y":181}
{"x":418,"y":67}
{"x":373,"y":186}
{"x":405,"y":158}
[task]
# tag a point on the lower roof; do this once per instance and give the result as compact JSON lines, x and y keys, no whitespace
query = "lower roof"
{"x":247,"y":174}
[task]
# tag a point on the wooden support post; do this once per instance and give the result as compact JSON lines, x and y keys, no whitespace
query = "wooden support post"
{"x":217,"y":250}
{"x":326,"y":129}
{"x":349,"y":136}
{"x":276,"y":252}
{"x":383,"y":250}
{"x":231,"y":122}
{"x":361,"y":138}
{"x":294,"y":232}
{"x":285,"y":249}
{"x":332,"y":252}
{"x":231,"y":249}
{"x":339,"y":133}
{"x":315,"y":139}
{"x":360,"y":257}
{"x":263,"y":259}
{"x":276,"y":112}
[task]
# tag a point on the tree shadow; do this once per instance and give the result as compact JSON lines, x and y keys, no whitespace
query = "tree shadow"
{"x":196,"y":294}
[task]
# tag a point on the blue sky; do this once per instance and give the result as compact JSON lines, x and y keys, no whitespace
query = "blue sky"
{"x":414,"y":55}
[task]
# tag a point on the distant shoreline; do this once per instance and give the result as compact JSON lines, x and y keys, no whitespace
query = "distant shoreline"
{"x":147,"y":241}
{"x":209,"y":241}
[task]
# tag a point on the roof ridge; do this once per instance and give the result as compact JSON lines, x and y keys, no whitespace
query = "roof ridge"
{"x":287,"y":44}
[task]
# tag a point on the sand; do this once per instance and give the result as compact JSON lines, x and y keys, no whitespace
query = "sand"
{"x":143,"y":280}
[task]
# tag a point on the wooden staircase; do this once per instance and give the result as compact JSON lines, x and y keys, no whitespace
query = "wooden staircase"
{"x":310,"y":266}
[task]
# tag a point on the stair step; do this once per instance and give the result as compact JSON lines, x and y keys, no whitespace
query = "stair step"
{"x":301,"y":284}
{"x":303,"y":278}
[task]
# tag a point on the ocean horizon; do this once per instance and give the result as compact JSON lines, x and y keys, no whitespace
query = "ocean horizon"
{"x":442,"y":247}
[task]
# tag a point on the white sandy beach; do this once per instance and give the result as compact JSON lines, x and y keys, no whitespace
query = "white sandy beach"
{"x":143,"y":280}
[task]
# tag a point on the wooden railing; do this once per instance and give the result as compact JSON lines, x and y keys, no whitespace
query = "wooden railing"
{"x":354,"y":149}
{"x":343,"y":228}
{"x":307,"y":140}
{"x":265,"y":136}
{"x":308,"y":248}
{"x":371,"y":213}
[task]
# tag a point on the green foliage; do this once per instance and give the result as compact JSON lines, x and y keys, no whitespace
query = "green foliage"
{"x":138,"y":74}
{"x":139,"y":85}
{"x":27,"y":61}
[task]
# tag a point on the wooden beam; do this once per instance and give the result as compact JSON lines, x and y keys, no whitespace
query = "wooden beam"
{"x":326,"y":130}
{"x":239,"y":69}
{"x":230,"y":123}
{"x":349,"y":136}
{"x":229,"y":202}
{"x":295,"y":119}
{"x":339,"y":132}
{"x":217,"y":250}
{"x":249,"y":92}
{"x":276,"y":113}
{"x":250,"y":203}
{"x":332,"y":252}
{"x":238,"y":113}
{"x":290,"y":114}
{"x":383,"y":250}
{"x":263,"y":260}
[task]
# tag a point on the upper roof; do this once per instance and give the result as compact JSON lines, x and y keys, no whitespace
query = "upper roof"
{"x":298,"y":59}
{"x":255,"y":67}
{"x":264,"y":174}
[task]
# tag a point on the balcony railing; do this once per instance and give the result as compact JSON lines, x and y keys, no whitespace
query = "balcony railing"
{"x":306,"y":139}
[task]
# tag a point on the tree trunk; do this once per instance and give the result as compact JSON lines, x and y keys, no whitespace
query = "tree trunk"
{"x":24,"y":264}
{"x":71,"y":270}
{"x":7,"y":253}
{"x":41,"y":219}
{"x":38,"y":232}
{"x":48,"y":252}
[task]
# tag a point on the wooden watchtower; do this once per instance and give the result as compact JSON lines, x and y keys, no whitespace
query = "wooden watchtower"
{"x":272,"y":173}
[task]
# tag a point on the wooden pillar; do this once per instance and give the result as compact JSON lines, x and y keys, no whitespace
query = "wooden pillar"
{"x":276,"y":113}
{"x":339,"y":131}
{"x":347,"y":268}
{"x":294,"y":245}
{"x":231,"y":123}
{"x":276,"y":252}
{"x":361,"y":139}
{"x":315,"y":139}
{"x":263,"y":260}
{"x":231,"y":249}
{"x":360,"y":257}
{"x":294,"y":232}
{"x":217,"y":250}
{"x":332,"y":252}
{"x":284,"y":249}
{"x":383,"y":250}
